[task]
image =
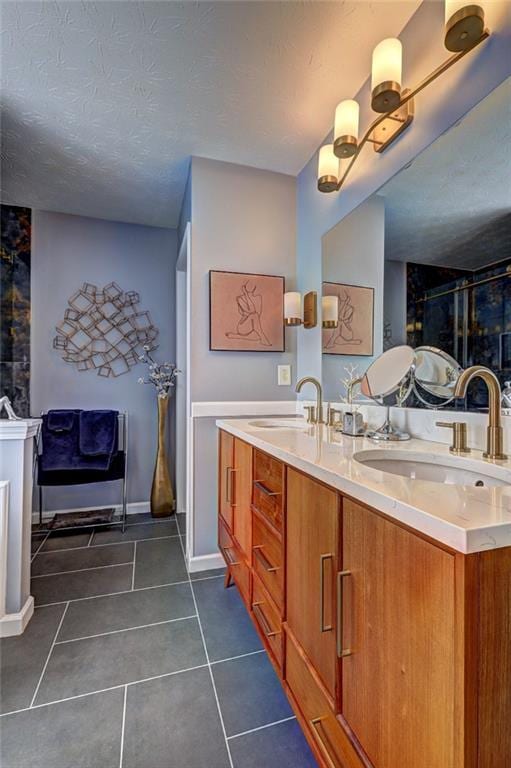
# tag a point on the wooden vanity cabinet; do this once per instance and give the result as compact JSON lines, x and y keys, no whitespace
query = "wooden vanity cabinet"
{"x":393,"y":649}
{"x":398,"y":631}
{"x":312,"y":563}
{"x":234,"y":506}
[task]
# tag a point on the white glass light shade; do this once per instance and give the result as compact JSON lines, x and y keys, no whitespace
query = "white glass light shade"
{"x":293,"y":307}
{"x":330,"y":310}
{"x":346,"y":119}
{"x":387,"y":62}
{"x":346,"y":128}
{"x":328,"y":169}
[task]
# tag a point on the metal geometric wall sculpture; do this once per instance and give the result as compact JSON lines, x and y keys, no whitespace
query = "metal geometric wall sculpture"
{"x":104,"y":330}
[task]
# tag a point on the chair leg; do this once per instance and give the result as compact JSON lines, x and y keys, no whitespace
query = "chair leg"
{"x":40,"y":505}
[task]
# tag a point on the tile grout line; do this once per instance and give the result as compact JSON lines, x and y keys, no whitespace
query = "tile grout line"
{"x":240,"y":656}
{"x":262,"y":727}
{"x":105,"y":544}
{"x":123,"y":724}
{"x":103,"y":690}
{"x":122,"y":685}
{"x":207,"y":655}
{"x":133,"y":569}
{"x":124,"y":629}
{"x":38,"y":548}
{"x":122,"y":591}
{"x":49,"y":654}
{"x":80,"y":570}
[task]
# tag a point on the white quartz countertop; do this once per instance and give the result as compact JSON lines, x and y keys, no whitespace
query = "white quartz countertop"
{"x":463,"y":517}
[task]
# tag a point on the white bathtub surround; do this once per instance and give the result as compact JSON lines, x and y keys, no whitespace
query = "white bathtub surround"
{"x":16,"y":467}
{"x":466,"y":518}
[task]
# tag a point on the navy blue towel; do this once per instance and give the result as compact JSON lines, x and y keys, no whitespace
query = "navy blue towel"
{"x":72,"y":442}
{"x":61,"y":421}
{"x":98,"y":435}
{"x":60,"y":430}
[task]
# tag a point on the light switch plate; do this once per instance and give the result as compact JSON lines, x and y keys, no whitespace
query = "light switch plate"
{"x":284,"y":375}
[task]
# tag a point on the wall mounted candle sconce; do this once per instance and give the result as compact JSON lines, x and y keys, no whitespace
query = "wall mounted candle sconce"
{"x":330,"y":311}
{"x":464,"y":30}
{"x":293,"y":314}
{"x":308,"y":317}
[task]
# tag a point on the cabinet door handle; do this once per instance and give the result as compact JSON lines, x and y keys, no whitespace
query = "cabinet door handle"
{"x":265,"y":490}
{"x":229,"y":559}
{"x":229,"y":486}
{"x":322,"y":561}
{"x":262,"y":620}
{"x":340,"y":651}
{"x":268,"y":567}
{"x":319,"y":739}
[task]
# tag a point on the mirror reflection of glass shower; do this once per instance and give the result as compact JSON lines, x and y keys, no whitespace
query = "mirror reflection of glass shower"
{"x":469,"y":317}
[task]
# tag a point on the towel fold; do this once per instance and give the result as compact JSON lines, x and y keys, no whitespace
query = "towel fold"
{"x":61,"y":420}
{"x":98,"y":433}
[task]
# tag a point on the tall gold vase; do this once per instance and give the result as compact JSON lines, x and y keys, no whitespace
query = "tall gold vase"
{"x":162,"y":495}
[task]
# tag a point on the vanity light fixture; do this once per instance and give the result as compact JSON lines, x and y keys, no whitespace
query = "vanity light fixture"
{"x":386,"y":75}
{"x":464,"y":30}
{"x":346,"y":128}
{"x":293,"y":309}
{"x":330,"y":311}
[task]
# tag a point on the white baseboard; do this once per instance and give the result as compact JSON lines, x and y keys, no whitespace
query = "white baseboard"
{"x":134,"y":508}
{"x":14,"y":623}
{"x":205,"y":562}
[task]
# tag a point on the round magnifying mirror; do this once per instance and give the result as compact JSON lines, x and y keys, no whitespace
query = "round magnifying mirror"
{"x":436,"y":374}
{"x":390,"y":374}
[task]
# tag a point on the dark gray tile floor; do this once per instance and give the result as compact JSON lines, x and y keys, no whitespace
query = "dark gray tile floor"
{"x":129,"y":662}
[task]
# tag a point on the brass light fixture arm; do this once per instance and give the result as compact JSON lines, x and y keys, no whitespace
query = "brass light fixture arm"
{"x":406,"y":97}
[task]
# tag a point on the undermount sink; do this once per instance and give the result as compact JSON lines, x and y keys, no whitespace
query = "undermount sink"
{"x":291,"y":423}
{"x":449,"y":470}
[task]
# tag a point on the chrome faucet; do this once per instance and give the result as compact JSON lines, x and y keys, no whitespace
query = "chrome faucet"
{"x":494,"y":432}
{"x":315,"y":414}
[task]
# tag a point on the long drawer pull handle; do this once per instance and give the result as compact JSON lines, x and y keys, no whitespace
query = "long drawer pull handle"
{"x":319,"y":739}
{"x":322,"y":561}
{"x":262,"y":619}
{"x":230,"y":561}
{"x":258,"y":484}
{"x":268,"y":567}
{"x":229,"y":486}
{"x":340,"y":651}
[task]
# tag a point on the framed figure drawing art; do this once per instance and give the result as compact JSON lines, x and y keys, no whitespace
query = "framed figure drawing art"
{"x":246,"y":312}
{"x":354,"y":332}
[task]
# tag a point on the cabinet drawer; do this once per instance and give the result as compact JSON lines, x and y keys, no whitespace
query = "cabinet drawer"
{"x":330,"y":739}
{"x":267,"y":559}
{"x":267,"y":619}
{"x":268,"y":487}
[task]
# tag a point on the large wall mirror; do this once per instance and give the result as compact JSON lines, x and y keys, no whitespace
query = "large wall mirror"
{"x":426,"y":262}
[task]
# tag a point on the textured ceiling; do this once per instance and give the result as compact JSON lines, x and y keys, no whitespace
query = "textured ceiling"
{"x":104,"y":102}
{"x":452,"y":206}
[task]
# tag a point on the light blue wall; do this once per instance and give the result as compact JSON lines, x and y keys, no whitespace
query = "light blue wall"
{"x":67,"y":251}
{"x":353,"y":252}
{"x":437,"y":108}
{"x":243,"y":220}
